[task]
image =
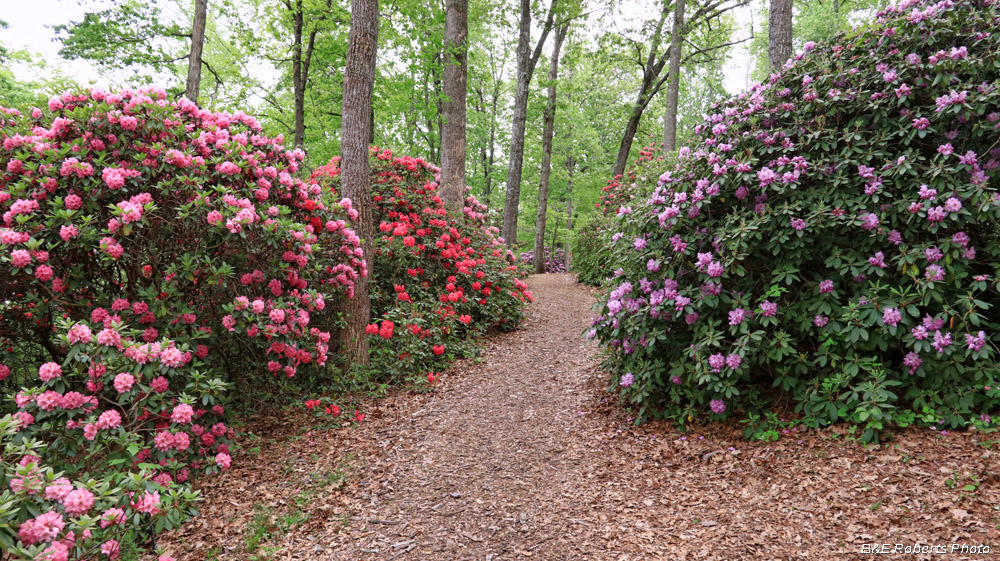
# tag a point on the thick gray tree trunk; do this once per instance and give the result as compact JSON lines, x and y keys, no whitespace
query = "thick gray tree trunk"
{"x":674,"y":86}
{"x":779,"y":46}
{"x":549,"y":120}
{"x":359,"y":80}
{"x":197,"y":46}
{"x":526,"y":61}
{"x":455,"y":78}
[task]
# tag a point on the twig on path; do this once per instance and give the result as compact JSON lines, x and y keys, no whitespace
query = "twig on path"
{"x":373,"y":520}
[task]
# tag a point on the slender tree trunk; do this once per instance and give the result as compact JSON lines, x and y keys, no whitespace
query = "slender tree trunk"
{"x":555,"y":238}
{"x":525,"y":68}
{"x":673,"y":88}
{"x":455,"y":78}
{"x":651,"y":84}
{"x":570,"y":167}
{"x":549,"y":123}
{"x":779,"y":46}
{"x":197,"y":46}
{"x":359,"y":80}
{"x":298,"y":80}
{"x":488,"y":168}
{"x":629,"y":136}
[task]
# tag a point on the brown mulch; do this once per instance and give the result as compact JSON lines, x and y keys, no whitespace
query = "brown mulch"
{"x":522,"y":454}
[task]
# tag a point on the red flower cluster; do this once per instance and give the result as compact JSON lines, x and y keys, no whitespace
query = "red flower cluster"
{"x":442,"y":276}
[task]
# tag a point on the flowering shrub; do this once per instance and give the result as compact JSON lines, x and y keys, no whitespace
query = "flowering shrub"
{"x":151,"y":250}
{"x":555,"y":259}
{"x":831,"y":234}
{"x":437,"y":279}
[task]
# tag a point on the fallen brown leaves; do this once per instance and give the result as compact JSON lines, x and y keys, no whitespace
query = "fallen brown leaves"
{"x":523,"y":456}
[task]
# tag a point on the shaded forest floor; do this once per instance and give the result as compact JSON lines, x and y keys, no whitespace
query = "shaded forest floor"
{"x":521,"y":454}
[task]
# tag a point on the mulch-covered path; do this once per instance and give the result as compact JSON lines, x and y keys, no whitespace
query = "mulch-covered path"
{"x":522,"y":455}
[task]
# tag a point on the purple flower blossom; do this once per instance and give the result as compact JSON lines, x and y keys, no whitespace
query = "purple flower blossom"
{"x":715,"y":269}
{"x":768,"y":308}
{"x":878,"y":260}
{"x":974,"y":343}
{"x":934,"y":273}
{"x":895,"y":238}
{"x":718,"y":406}
{"x":737,"y":316}
{"x":936,"y":214}
{"x":913,"y":360}
{"x":691,"y":318}
{"x":891,"y":316}
{"x":933,"y":254}
{"x":734,"y":361}
{"x":766,"y":176}
{"x":946,"y":149}
{"x":953,"y":204}
{"x":921,"y":123}
{"x":825,"y":286}
{"x":919,"y":332}
{"x":933,"y":322}
{"x":640,"y":243}
{"x":821,"y":321}
{"x":941,"y":341}
{"x":677,"y":380}
{"x":653,"y":265}
{"x":679,"y":245}
{"x":927,"y":193}
{"x":960,"y":238}
{"x":869,"y":221}
{"x":798,"y":224}
{"x":626,"y":380}
{"x":716,"y":362}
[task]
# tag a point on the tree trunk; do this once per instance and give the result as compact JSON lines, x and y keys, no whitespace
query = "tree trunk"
{"x":455,"y":78}
{"x":649,"y":88}
{"x":673,"y":88}
{"x":779,"y":46}
{"x":628,"y":137}
{"x":298,"y":80}
{"x":488,"y":167}
{"x":359,"y":80}
{"x":525,"y":68}
{"x":197,"y":46}
{"x":549,"y":123}
{"x":570,"y":167}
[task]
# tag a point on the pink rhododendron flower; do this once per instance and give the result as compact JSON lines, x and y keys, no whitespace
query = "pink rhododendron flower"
{"x":182,"y":414}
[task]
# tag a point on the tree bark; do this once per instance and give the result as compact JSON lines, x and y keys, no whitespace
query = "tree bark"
{"x":298,"y":80}
{"x":455,"y":79}
{"x":359,"y":80}
{"x":197,"y":46}
{"x":673,"y":88}
{"x":651,"y":84}
{"x":779,"y":46}
{"x":488,"y":161}
{"x":549,"y":120}
{"x":570,"y":167}
{"x":525,"y":68}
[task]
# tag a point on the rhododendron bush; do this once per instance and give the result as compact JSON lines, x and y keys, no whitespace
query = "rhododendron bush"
{"x":831,"y":235}
{"x":437,"y":279}
{"x":154,"y":253}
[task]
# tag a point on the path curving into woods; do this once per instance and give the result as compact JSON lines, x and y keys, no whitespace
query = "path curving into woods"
{"x":521,"y":455}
